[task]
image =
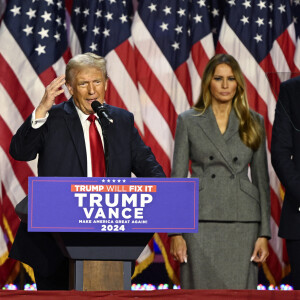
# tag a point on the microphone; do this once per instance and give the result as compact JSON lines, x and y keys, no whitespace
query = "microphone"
{"x":101,"y":111}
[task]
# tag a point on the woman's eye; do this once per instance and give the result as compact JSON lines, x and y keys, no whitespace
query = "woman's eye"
{"x":217,"y":78}
{"x":231,"y":78}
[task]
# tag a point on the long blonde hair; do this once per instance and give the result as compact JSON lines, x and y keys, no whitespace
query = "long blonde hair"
{"x":250,"y":129}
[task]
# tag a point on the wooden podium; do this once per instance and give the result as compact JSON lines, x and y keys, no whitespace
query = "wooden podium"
{"x":101,"y":261}
{"x":98,"y":261}
{"x":103,"y":224}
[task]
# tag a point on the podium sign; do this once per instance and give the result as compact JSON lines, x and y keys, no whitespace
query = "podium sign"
{"x":84,"y":204}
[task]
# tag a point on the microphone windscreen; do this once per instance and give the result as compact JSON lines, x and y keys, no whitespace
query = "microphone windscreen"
{"x":95,"y":105}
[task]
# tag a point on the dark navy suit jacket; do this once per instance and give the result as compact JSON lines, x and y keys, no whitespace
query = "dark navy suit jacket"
{"x":285,"y":154}
{"x":61,"y":149}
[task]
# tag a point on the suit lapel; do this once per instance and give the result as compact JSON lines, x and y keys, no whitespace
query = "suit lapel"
{"x":233,"y":125}
{"x":208,"y":123}
{"x":75,"y":129}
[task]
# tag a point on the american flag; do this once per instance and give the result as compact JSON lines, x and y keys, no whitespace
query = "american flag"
{"x":33,"y":51}
{"x":156,"y":51}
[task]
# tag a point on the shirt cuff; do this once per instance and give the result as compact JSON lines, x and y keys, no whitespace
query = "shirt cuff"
{"x":37,"y":123}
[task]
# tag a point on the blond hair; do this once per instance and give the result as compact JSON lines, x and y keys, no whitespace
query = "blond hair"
{"x":250,"y":129}
{"x":87,"y":59}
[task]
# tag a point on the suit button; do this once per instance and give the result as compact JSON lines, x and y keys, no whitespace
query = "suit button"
{"x":299,"y":208}
{"x":213,"y":176}
{"x":235,"y":159}
{"x":211,"y":157}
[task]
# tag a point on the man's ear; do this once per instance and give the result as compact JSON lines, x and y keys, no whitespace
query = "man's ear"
{"x":106,"y":82}
{"x":70,"y":89}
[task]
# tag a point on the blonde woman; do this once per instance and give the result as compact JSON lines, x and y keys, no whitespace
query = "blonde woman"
{"x":222,"y":137}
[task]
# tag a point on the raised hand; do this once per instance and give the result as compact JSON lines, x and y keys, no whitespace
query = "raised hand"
{"x":53,"y":90}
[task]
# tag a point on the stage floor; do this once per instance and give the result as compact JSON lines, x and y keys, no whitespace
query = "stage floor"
{"x":165,"y":294}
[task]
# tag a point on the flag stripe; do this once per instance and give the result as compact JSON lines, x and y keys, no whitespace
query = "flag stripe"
{"x":160,"y":155}
{"x":26,"y":75}
{"x":288,"y":49}
{"x":158,"y":64}
{"x":156,"y":92}
{"x":275,"y":207}
{"x":21,"y":169}
{"x":200,"y":57}
{"x":160,"y":127}
{"x":15,"y":91}
{"x":118,"y":73}
{"x":183,"y":76}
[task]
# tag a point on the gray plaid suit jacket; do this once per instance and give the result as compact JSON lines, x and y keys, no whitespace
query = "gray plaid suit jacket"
{"x":221,"y":162}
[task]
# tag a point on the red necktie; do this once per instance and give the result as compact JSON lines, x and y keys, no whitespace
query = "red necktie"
{"x":97,"y":153}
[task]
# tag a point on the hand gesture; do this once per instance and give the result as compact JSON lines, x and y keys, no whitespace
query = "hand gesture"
{"x":51,"y":92}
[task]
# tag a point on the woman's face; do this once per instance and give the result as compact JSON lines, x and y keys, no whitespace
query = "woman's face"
{"x":223,"y":84}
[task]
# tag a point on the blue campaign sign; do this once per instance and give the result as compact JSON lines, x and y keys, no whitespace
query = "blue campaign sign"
{"x":82,"y":204}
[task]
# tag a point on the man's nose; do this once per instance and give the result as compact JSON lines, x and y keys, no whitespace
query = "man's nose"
{"x":91,"y":89}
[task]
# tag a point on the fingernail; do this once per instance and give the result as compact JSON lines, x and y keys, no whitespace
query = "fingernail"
{"x":251,"y":259}
{"x":185,"y":260}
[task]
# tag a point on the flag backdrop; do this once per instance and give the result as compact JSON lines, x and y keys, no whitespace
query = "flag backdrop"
{"x":156,"y":51}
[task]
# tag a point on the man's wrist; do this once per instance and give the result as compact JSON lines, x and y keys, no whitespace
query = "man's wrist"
{"x":40,"y":112}
{"x":38,"y":122}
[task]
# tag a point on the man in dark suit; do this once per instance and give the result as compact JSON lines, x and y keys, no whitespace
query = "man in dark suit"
{"x":59,"y":134}
{"x":285,"y":152}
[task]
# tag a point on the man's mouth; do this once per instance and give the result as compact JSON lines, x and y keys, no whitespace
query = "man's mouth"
{"x":91,"y":100}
